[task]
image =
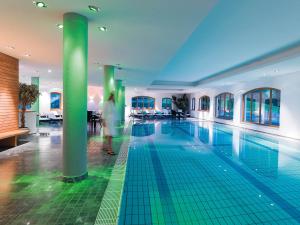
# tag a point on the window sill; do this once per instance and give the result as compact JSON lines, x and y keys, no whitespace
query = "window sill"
{"x":258,"y":124}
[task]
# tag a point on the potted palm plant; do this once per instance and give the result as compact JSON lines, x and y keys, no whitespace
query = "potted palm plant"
{"x":28,"y":94}
{"x":182,"y":103}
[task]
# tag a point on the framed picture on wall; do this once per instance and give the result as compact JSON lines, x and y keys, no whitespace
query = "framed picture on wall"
{"x":55,"y":100}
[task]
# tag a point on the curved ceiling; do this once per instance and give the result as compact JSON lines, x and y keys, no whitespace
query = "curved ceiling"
{"x":142,"y":36}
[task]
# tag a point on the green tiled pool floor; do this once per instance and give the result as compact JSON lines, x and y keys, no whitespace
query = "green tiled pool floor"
{"x":31,"y":190}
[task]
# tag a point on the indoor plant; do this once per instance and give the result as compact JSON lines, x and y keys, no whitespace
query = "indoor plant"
{"x":28,"y":94}
{"x":181,"y":103}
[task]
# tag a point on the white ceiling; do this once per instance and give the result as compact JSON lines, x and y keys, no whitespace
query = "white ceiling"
{"x":142,"y":36}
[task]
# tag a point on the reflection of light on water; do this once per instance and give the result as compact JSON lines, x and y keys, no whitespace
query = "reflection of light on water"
{"x":7,"y":174}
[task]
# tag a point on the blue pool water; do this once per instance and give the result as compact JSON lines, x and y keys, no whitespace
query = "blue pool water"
{"x":190,"y":172}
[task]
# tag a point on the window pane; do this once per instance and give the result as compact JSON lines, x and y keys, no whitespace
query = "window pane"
{"x":265,"y":106}
{"x":146,"y":102}
{"x":217,"y":106}
{"x":163,"y":103}
{"x":133,"y":102}
{"x":205,"y":103}
{"x":166,"y":103}
{"x":275,"y":116}
{"x":230,"y":106}
{"x":247,"y":110}
{"x":227,"y":106}
{"x":193,"y":103}
{"x":255,"y":107}
{"x":140,"y":102}
{"x":169,"y":105}
{"x":152,"y":101}
{"x":222,"y":103}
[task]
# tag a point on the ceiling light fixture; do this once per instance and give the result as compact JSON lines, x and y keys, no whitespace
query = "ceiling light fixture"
{"x":103,"y":29}
{"x":94,"y":8}
{"x":49,"y":71}
{"x":27,"y":55}
{"x":60,"y":26}
{"x":39,"y":4}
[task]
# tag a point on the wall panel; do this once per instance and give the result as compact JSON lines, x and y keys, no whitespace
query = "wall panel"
{"x":9,"y":89}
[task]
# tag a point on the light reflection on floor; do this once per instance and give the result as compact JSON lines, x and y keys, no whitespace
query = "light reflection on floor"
{"x":31,"y":191}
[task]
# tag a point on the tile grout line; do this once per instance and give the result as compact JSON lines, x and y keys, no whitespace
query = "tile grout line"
{"x":108,"y":213}
{"x":275,"y":197}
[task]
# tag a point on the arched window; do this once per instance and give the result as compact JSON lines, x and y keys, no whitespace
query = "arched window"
{"x":166,"y":103}
{"x":262,"y":106}
{"x":224,"y":106}
{"x":204,"y":103}
{"x":193,"y":104}
{"x":143,"y":102}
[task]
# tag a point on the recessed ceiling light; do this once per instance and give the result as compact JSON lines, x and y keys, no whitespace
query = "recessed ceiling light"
{"x":40,"y":4}
{"x":60,"y":26}
{"x":94,"y":8}
{"x":103,"y":28}
{"x":27,"y":55}
{"x":49,"y":71}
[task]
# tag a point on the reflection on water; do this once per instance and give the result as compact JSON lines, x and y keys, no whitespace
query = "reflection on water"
{"x":257,"y":154}
{"x":203,"y":134}
{"x":256,"y":151}
{"x":143,"y":129}
{"x":166,"y":127}
{"x":222,"y":140}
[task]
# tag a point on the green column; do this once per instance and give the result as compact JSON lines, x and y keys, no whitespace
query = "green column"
{"x":108,"y":82}
{"x":75,"y":39}
{"x":118,"y":99}
{"x":36,"y":106}
{"x":123,"y":104}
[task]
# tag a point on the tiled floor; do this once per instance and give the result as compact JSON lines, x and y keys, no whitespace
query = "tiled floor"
{"x":31,"y":190}
{"x":185,"y":173}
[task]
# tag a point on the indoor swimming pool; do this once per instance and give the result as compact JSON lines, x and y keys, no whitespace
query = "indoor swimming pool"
{"x":191,"y":172}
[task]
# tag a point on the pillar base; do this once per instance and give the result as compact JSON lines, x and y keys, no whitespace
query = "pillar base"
{"x":75,"y":179}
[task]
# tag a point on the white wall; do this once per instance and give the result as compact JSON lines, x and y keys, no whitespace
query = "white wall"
{"x":131,"y":92}
{"x":94,"y":101}
{"x":45,"y":100}
{"x":289,"y":106}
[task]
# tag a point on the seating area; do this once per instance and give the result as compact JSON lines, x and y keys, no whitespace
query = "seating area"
{"x":10,"y":138}
{"x":157,"y":114}
{"x":150,"y":114}
{"x":51,"y":116}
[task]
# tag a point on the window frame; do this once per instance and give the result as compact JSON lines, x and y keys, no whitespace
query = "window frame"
{"x":200,"y":108}
{"x":167,"y":98}
{"x":224,"y":94}
{"x":143,"y":101}
{"x":59,"y":99}
{"x":260,"y":90}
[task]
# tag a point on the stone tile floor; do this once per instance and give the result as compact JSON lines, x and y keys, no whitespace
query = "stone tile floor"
{"x":31,"y":190}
